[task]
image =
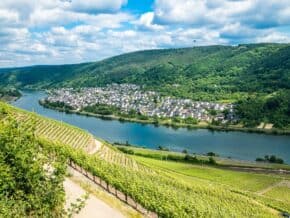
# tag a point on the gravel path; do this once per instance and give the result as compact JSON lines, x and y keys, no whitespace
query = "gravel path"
{"x":97,"y":146}
{"x":94,"y":208}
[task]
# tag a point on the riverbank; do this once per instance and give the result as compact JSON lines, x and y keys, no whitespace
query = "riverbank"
{"x":203,"y":159}
{"x":10,"y":96}
{"x":171,"y":123}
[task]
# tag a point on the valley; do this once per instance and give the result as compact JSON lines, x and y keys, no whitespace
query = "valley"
{"x":169,"y":182}
{"x":233,"y":144}
{"x":144,"y":109}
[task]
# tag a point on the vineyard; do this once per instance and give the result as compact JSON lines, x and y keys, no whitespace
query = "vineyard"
{"x":112,"y":155}
{"x":56,"y":131}
{"x":77,"y":138}
{"x":168,"y":196}
{"x":158,"y":191}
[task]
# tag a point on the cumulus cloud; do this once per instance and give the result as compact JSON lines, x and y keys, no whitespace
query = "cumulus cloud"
{"x":234,"y":20}
{"x":145,"y":22}
{"x":70,"y":31}
{"x":38,"y":31}
{"x":95,"y":6}
{"x":274,"y":37}
{"x":257,"y":13}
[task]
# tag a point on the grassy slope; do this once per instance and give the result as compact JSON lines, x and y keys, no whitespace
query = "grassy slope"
{"x":168,"y":194}
{"x":249,"y":183}
{"x":161,"y":155}
{"x":210,"y":72}
{"x":281,"y":193}
{"x":60,"y":132}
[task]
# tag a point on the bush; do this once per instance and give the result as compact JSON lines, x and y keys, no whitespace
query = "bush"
{"x":31,"y":183}
{"x":271,"y":159}
{"x":258,"y":159}
{"x":211,"y":154}
{"x":185,"y":151}
{"x":162,"y":148}
{"x":212,"y":161}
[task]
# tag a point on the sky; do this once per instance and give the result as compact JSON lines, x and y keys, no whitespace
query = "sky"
{"x":38,"y":32}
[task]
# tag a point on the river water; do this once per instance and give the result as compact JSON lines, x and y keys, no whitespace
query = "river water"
{"x":237,"y":145}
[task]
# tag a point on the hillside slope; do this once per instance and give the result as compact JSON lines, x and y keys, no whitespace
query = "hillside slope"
{"x":156,"y":190}
{"x":201,"y":73}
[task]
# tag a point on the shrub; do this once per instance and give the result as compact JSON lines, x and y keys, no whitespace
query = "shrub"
{"x":212,"y":161}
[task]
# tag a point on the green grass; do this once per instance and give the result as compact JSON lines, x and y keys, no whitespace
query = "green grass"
{"x":162,"y":155}
{"x":169,"y":196}
{"x":246,"y":183}
{"x":113,"y":155}
{"x":280,"y":193}
{"x":250,"y":181}
{"x":66,"y":134}
{"x":208,"y":192}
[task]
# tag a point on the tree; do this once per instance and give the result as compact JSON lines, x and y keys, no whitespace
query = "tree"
{"x":31,"y":183}
{"x":212,"y":161}
{"x":185,"y":151}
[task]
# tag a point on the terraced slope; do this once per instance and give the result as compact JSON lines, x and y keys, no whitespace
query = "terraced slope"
{"x":57,"y":131}
{"x":162,"y":193}
{"x":112,"y":155}
{"x":77,"y":138}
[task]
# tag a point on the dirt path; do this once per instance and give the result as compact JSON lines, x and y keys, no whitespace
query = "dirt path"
{"x":281,"y":183}
{"x":256,"y":170}
{"x":94,"y":208}
{"x":97,"y":146}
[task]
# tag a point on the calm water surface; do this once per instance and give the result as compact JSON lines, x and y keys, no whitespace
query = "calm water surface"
{"x":238,"y":145}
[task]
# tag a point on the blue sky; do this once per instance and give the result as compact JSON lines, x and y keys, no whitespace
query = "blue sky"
{"x":138,"y":6}
{"x":36,"y":32}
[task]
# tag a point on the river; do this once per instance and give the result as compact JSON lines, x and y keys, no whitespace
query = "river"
{"x":237,"y":145}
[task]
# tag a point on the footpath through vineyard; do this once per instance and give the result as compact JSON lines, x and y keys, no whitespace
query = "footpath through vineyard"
{"x":147,"y":190}
{"x":94,"y":207}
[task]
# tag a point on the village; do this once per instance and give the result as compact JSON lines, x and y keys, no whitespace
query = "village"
{"x":128,"y":97}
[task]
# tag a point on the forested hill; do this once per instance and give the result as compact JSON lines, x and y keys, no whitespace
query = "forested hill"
{"x":201,"y":73}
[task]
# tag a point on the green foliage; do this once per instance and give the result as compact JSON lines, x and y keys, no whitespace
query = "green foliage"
{"x":212,"y":161}
{"x":9,"y":93}
{"x":185,"y":151}
{"x":31,"y":177}
{"x":102,"y":109}
{"x":155,"y":190}
{"x":200,"y":73}
{"x":162,"y":148}
{"x":59,"y":105}
{"x":182,"y":157}
{"x":211,"y":154}
{"x":76,"y":207}
{"x":273,"y":109}
{"x":270,"y":159}
{"x":281,"y":193}
{"x":190,"y":120}
{"x":166,"y":196}
{"x":213,"y":112}
{"x":246,"y":181}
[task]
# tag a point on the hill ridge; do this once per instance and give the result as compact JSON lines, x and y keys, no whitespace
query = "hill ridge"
{"x":203,"y":73}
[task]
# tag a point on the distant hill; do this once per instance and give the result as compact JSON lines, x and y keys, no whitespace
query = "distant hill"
{"x":200,"y":73}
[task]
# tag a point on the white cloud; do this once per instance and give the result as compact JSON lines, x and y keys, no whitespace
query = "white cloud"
{"x":70,"y":31}
{"x":257,"y":13}
{"x":8,"y":18}
{"x":145,"y":22}
{"x":274,"y":37}
{"x":187,"y":11}
{"x":95,"y":6}
{"x":51,"y":12}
